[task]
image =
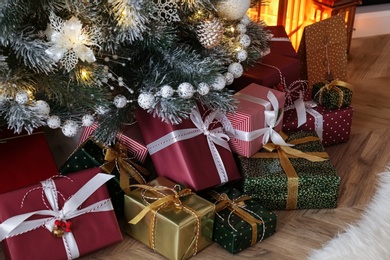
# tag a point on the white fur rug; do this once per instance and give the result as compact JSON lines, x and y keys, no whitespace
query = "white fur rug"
{"x":368,"y":239}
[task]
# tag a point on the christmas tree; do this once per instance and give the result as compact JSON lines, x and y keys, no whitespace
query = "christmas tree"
{"x":68,"y":63}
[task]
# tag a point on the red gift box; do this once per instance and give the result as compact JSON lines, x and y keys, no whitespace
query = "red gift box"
{"x":280,"y":42}
{"x":185,"y":154}
{"x":332,"y":126}
{"x":88,"y":208}
{"x":21,"y":163}
{"x":130,"y":136}
{"x":257,"y":114}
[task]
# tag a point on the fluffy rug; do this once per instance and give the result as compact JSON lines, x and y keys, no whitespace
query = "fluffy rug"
{"x":369,"y":238}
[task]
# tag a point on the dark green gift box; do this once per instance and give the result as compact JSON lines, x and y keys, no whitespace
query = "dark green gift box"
{"x":91,"y":154}
{"x":317,"y":182}
{"x":335,"y":94}
{"x":231,"y":231}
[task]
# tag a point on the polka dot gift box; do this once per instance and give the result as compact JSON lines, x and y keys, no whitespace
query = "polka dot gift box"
{"x":333,"y":126}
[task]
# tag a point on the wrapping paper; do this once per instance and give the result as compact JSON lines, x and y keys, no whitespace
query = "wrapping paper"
{"x":177,"y":233}
{"x":333,"y":126}
{"x":21,"y":164}
{"x":235,"y":228}
{"x":186,"y":153}
{"x":91,"y":231}
{"x":254,"y":112}
{"x":333,"y":95}
{"x":280,"y":42}
{"x":314,"y":186}
{"x":130,"y":136}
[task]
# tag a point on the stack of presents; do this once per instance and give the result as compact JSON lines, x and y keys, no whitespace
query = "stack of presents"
{"x":212,"y":178}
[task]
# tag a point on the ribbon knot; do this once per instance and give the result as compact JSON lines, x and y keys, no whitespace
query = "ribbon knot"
{"x":334,"y":85}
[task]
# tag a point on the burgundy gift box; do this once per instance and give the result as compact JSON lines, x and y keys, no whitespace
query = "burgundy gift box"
{"x":250,"y":117}
{"x":189,"y":161}
{"x":91,"y":231}
{"x":130,"y":136}
{"x":335,"y":124}
{"x":25,"y":159}
{"x":280,"y":42}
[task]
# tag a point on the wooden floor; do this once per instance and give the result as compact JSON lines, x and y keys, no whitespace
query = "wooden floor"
{"x":358,"y":162}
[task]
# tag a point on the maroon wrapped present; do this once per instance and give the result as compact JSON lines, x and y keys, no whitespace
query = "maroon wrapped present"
{"x":280,"y":42}
{"x":194,"y":153}
{"x":130,"y":136}
{"x":333,"y":126}
{"x":258,"y":118}
{"x":59,"y":218}
{"x":21,"y":164}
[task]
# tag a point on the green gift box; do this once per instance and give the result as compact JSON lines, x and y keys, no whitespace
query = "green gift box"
{"x":335,"y":94}
{"x":240,"y":220}
{"x":283,"y":180}
{"x":171,"y":220}
{"x":92,"y":154}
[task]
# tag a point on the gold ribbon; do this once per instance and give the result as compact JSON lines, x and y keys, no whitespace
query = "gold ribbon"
{"x":236,"y":207}
{"x":334,"y":85}
{"x":117,"y":157}
{"x":164,"y":197}
{"x":286,"y":152}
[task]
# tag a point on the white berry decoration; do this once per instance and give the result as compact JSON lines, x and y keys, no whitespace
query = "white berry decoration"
{"x":146,"y":100}
{"x":54,"y":122}
{"x":229,"y":78}
{"x":42,"y":108}
{"x":87,"y":120}
{"x":241,"y":28}
{"x":219,"y":82}
{"x":167,"y":91}
{"x":242,"y":55}
{"x":185,"y":90}
{"x":236,"y":69}
{"x":203,"y":88}
{"x":233,"y":9}
{"x":120,"y":101}
{"x":70,"y":128}
{"x":22,"y":97}
{"x":245,"y":40}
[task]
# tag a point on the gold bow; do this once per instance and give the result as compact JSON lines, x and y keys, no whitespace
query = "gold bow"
{"x":164,"y":197}
{"x":117,"y":157}
{"x":236,"y":207}
{"x":286,"y":152}
{"x":335,"y":84}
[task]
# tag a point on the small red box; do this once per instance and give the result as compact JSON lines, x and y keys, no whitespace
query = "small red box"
{"x":335,"y":124}
{"x":188,"y":161}
{"x":91,"y":231}
{"x":25,"y":159}
{"x":250,"y":117}
{"x":130,"y":136}
{"x":280,"y":42}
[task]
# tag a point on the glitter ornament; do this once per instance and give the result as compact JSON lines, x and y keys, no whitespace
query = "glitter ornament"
{"x":203,"y":88}
{"x":146,"y":100}
{"x":41,"y":108}
{"x":241,"y":28}
{"x":22,"y":97}
{"x":219,"y":82}
{"x":87,"y":120}
{"x":210,"y":32}
{"x":236,"y":69}
{"x":167,"y":91}
{"x":120,"y":101}
{"x":185,"y":90}
{"x":69,"y":128}
{"x":54,"y":122}
{"x":233,"y":9}
{"x":229,"y":78}
{"x":242,"y":55}
{"x":245,"y":40}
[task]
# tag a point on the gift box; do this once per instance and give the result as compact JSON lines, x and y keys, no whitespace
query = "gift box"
{"x":298,"y":177}
{"x":59,"y":218}
{"x":112,"y":160}
{"x":240,"y":221}
{"x":257,"y":116}
{"x":333,"y":126}
{"x":169,"y":218}
{"x":195,"y":152}
{"x":280,"y":42}
{"x":21,"y":164}
{"x":333,"y":95}
{"x":130,"y":136}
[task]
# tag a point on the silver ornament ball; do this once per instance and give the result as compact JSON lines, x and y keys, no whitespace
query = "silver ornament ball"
{"x":185,"y":90}
{"x":146,"y":100}
{"x":53,"y":122}
{"x":167,"y":91}
{"x":246,"y":20}
{"x":22,"y":97}
{"x":241,"y":28}
{"x":120,"y":101}
{"x":203,"y":88}
{"x":69,"y":128}
{"x":236,"y":69}
{"x":87,"y":120}
{"x":242,"y":55}
{"x":233,"y":9}
{"x":42,"y":108}
{"x":219,"y":82}
{"x":245,"y":40}
{"x":102,"y":110}
{"x":229,"y":78}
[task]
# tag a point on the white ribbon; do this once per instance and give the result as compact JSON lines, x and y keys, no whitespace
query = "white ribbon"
{"x":214,"y":136}
{"x":318,"y":121}
{"x":271,"y":119}
{"x":19,"y":224}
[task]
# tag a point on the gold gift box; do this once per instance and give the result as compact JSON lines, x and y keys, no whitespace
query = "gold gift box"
{"x":174,"y":231}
